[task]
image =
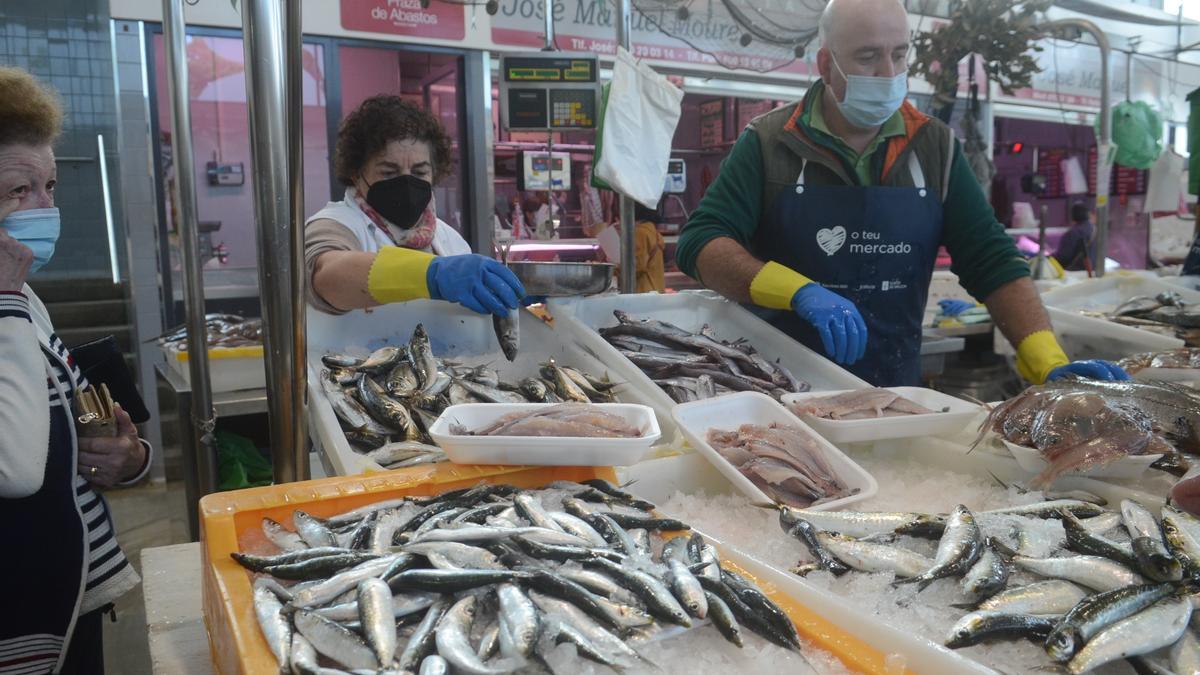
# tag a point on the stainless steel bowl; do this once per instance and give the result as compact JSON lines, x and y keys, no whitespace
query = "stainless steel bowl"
{"x":558,"y":279}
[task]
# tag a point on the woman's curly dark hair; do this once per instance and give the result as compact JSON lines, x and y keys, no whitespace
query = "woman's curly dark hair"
{"x":378,"y":121}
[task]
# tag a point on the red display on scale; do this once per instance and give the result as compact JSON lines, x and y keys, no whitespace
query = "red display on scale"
{"x":440,"y":20}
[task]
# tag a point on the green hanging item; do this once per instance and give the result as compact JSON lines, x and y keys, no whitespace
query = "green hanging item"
{"x":1137,"y":133}
{"x":1193,"y":100}
{"x":240,"y":464}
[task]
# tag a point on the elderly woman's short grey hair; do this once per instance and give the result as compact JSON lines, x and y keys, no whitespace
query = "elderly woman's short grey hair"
{"x":30,"y":112}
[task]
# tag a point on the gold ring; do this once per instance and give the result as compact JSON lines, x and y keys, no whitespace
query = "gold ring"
{"x":93,"y":471}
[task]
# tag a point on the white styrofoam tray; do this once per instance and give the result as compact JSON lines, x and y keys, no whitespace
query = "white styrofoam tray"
{"x":690,"y":310}
{"x":731,"y":411}
{"x":1104,"y":294}
{"x":1086,"y":337}
{"x":1127,"y":467}
{"x":958,"y":414}
{"x":541,"y":450}
{"x":454,"y":332}
{"x":229,"y":369}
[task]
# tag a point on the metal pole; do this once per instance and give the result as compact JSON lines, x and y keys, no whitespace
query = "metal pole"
{"x":1103,"y":163}
{"x":203,"y":419}
{"x":628,"y":250}
{"x":481,"y":185}
{"x":548,"y":9}
{"x":272,"y":42}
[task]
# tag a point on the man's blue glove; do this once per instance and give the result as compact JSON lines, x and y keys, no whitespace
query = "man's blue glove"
{"x":836,"y":319}
{"x":1093,"y":369}
{"x":954,"y":307}
{"x":476,"y":282}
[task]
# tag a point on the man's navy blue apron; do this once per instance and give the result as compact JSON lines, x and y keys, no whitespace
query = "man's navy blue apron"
{"x":874,"y":245}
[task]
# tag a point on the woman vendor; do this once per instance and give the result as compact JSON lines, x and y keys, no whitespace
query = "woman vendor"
{"x":384,"y":242}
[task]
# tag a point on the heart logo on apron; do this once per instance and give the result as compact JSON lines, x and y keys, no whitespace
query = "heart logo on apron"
{"x":831,"y":240}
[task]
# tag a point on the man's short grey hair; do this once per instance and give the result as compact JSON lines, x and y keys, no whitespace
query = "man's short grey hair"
{"x":825,"y":24}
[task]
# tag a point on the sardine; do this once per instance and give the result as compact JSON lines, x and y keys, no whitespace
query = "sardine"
{"x":859,"y":525}
{"x":530,"y":509}
{"x":1094,"y":613}
{"x":1080,"y":540}
{"x":402,"y":380}
{"x":1147,"y":631}
{"x":257,"y":563}
{"x":519,"y":622}
{"x":1051,"y":509}
{"x":338,"y":643}
{"x":1091,"y":571}
{"x":377,"y":619}
{"x":722,"y":617}
{"x":386,"y":409}
{"x":534,"y":389}
{"x":1181,"y":532}
{"x":559,"y":586}
{"x":448,"y":581}
{"x":578,"y":527}
{"x":870,"y":557}
{"x":340,"y":361}
{"x":490,"y":394}
{"x":275,"y":627}
{"x":653,"y":592}
{"x":317,"y":568}
{"x":957,"y":550}
{"x":686,"y":588}
{"x":311,"y":530}
{"x":613,"y":647}
{"x":979,"y":627}
{"x":564,"y":386}
{"x":453,"y":555}
{"x":434,"y":665}
{"x":1153,"y":559}
{"x":400,"y":451}
{"x":489,"y":643}
{"x":507,"y":333}
{"x":1044,"y":597}
{"x":401,"y":606}
{"x":423,"y":639}
{"x":989,"y":575}
{"x":1185,"y":654}
{"x":381,"y":360}
{"x":484,"y":534}
{"x":420,"y":353}
{"x":454,"y":645}
{"x":327,"y":590}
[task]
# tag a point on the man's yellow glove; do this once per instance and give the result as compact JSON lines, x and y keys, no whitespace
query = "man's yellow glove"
{"x":399,"y":274}
{"x":842,"y":330}
{"x":1038,"y":354}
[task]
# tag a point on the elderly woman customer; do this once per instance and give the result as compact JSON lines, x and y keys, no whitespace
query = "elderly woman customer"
{"x":62,"y":568}
{"x":383,"y":242}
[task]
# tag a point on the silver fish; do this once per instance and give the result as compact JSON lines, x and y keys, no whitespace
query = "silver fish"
{"x":381,"y":360}
{"x":1043,"y":597}
{"x":1181,"y":532}
{"x":331,"y":588}
{"x":386,"y":409}
{"x":1154,"y":560}
{"x":578,"y":527}
{"x":434,"y":665}
{"x":403,"y":380}
{"x":564,"y":386}
{"x":275,"y":627}
{"x":1102,"y":523}
{"x":978,"y":627}
{"x":989,"y":575}
{"x":600,"y":584}
{"x":530,"y":509}
{"x":340,"y":360}
{"x":1050,"y":509}
{"x":614,"y":647}
{"x":401,"y":606}
{"x":334,"y":641}
{"x":686,"y":588}
{"x":1091,"y":571}
{"x":454,"y":645}
{"x":281,"y":536}
{"x":1142,"y":633}
{"x":1080,"y":540}
{"x":392,"y":453}
{"x":377,"y":619}
{"x":490,"y":534}
{"x":312,"y":531}
{"x":350,"y":411}
{"x":304,"y":658}
{"x":453,"y":555}
{"x":871,"y":557}
{"x":519,"y":622}
{"x":650,"y":589}
{"x":958,"y":549}
{"x":422,"y":640}
{"x":858,"y":525}
{"x":1097,"y":612}
{"x":490,"y":394}
{"x":1185,"y":654}
{"x":420,"y":353}
{"x":723,"y":618}
{"x":508,"y":333}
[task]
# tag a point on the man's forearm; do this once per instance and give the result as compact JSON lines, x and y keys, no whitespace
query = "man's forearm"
{"x":727,"y":268}
{"x":1017,"y":310}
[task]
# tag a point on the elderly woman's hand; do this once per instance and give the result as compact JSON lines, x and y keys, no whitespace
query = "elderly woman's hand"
{"x":15,"y":260}
{"x":107,"y":460}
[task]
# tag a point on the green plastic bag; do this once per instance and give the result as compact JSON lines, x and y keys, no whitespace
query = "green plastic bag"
{"x":240,"y":464}
{"x":1137,"y":133}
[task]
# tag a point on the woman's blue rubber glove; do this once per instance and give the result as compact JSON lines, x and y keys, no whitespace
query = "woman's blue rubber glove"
{"x":1093,"y":369}
{"x":476,"y":282}
{"x":952,"y":307}
{"x":841,"y":327}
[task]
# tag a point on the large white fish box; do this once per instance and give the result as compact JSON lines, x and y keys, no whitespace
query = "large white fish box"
{"x":454,"y":333}
{"x":691,"y":310}
{"x":229,"y":368}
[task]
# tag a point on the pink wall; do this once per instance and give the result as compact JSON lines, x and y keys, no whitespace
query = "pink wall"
{"x":367,"y":71}
{"x":220,"y":131}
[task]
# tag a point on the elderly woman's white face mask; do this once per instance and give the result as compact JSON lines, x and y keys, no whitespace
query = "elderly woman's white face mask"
{"x":27,"y":180}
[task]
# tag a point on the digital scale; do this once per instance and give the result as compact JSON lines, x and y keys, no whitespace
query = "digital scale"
{"x":676,"y":182}
{"x":549,"y":91}
{"x":545,"y":171}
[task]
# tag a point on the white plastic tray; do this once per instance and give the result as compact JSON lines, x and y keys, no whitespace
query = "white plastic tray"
{"x":454,"y":332}
{"x":690,"y":310}
{"x":1106,"y":293}
{"x":541,"y":450}
{"x":955,"y":419}
{"x":731,"y":411}
{"x":229,"y":369}
{"x":1127,"y":468}
{"x":1085,"y":337}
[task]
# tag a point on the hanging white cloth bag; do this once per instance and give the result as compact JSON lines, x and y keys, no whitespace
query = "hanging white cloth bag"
{"x":639,"y":122}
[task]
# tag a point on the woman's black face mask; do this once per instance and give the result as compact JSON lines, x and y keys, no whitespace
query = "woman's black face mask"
{"x":401,"y":200}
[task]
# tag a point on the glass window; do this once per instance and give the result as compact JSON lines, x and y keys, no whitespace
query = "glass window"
{"x":221,"y":146}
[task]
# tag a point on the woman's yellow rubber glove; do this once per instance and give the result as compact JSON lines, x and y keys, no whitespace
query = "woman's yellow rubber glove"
{"x":399,"y":274}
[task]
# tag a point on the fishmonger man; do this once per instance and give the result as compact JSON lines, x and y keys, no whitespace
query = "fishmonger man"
{"x":830,"y":211}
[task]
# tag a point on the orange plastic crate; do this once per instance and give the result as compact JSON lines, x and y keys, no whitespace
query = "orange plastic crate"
{"x":231,"y":521}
